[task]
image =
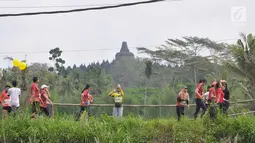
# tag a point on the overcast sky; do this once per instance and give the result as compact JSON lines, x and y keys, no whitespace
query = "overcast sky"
{"x":144,"y":25}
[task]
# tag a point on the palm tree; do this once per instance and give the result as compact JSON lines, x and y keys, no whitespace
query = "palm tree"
{"x":243,"y":61}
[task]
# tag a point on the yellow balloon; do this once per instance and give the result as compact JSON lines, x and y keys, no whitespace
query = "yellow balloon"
{"x":22,"y":66}
{"x":16,"y":62}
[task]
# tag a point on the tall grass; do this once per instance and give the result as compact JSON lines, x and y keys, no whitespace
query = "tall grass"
{"x":106,"y":129}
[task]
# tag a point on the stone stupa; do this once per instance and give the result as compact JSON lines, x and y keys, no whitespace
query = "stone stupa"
{"x":124,"y":54}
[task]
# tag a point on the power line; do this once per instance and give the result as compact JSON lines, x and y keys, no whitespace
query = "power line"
{"x":64,"y":6}
{"x":82,"y":9}
{"x":103,"y":49}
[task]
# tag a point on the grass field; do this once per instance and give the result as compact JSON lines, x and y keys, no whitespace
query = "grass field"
{"x":106,"y":129}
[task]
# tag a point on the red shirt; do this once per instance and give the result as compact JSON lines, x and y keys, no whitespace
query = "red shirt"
{"x":5,"y":99}
{"x":200,"y":91}
{"x":34,"y":89}
{"x":43,"y":102}
{"x":211,"y":93}
{"x":220,"y":93}
{"x":85,"y":97}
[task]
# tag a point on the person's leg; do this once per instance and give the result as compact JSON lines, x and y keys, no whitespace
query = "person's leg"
{"x":81,"y":111}
{"x":202,"y":105}
{"x":197,"y":108}
{"x":46,"y":112}
{"x":182,"y":110}
{"x":49,"y":108}
{"x":120,"y":111}
{"x":115,"y":112}
{"x":178,"y":113}
{"x":35,"y":109}
{"x":5,"y":112}
{"x":89,"y":110}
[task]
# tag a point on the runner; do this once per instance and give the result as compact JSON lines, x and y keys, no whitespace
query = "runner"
{"x":45,"y":98}
{"x":219,"y":95}
{"x":226,"y":96}
{"x":14,"y":94}
{"x":211,"y":99}
{"x":117,"y":94}
{"x":182,"y":98}
{"x":35,"y":97}
{"x":5,"y":100}
{"x":84,"y":100}
{"x":199,"y":98}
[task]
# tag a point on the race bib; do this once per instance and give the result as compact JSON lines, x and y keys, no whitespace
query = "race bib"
{"x":118,"y":100}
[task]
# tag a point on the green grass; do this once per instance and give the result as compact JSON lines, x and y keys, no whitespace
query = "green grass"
{"x":105,"y":129}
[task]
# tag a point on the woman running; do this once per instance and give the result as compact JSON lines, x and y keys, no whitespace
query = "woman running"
{"x":182,"y":99}
{"x":84,"y":101}
{"x":219,"y":95}
{"x":5,"y":100}
{"x":44,"y":100}
{"x":226,"y":96}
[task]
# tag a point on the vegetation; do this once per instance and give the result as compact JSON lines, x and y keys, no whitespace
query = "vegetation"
{"x":130,"y":129}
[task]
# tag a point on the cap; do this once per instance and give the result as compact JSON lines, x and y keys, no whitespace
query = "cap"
{"x":223,"y":81}
{"x":44,"y":86}
{"x":185,"y":87}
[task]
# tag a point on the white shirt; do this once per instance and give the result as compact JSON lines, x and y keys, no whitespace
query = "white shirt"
{"x":14,"y":93}
{"x":206,"y":95}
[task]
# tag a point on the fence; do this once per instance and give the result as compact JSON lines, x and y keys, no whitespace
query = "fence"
{"x":150,"y":111}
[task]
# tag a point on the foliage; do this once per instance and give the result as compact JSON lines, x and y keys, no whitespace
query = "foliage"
{"x":130,"y":129}
{"x":243,"y":61}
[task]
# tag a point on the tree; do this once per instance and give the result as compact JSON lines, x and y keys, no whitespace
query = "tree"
{"x":186,"y":54}
{"x":243,"y":61}
{"x":58,"y":61}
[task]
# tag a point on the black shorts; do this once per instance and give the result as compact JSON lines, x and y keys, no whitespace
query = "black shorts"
{"x":35,"y":107}
{"x":8,"y":108}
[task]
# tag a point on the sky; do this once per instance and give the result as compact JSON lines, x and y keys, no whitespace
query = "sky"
{"x":100,"y":33}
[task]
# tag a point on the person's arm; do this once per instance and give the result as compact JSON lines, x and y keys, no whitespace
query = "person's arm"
{"x":111,"y":93}
{"x":121,"y":92}
{"x":91,"y":98}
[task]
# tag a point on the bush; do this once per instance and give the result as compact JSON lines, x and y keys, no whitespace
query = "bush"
{"x":106,"y":129}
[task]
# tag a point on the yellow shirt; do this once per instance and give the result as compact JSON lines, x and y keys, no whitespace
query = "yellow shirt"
{"x":118,"y":96}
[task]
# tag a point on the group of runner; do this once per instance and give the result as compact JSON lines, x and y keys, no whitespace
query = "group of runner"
{"x":39,"y":99}
{"x":87,"y":100}
{"x":216,"y":96}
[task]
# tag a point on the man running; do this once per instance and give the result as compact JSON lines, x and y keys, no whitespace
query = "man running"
{"x":5,"y":100}
{"x":45,"y":98}
{"x":14,"y":94}
{"x":182,"y":99}
{"x":35,"y":97}
{"x":199,"y":98}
